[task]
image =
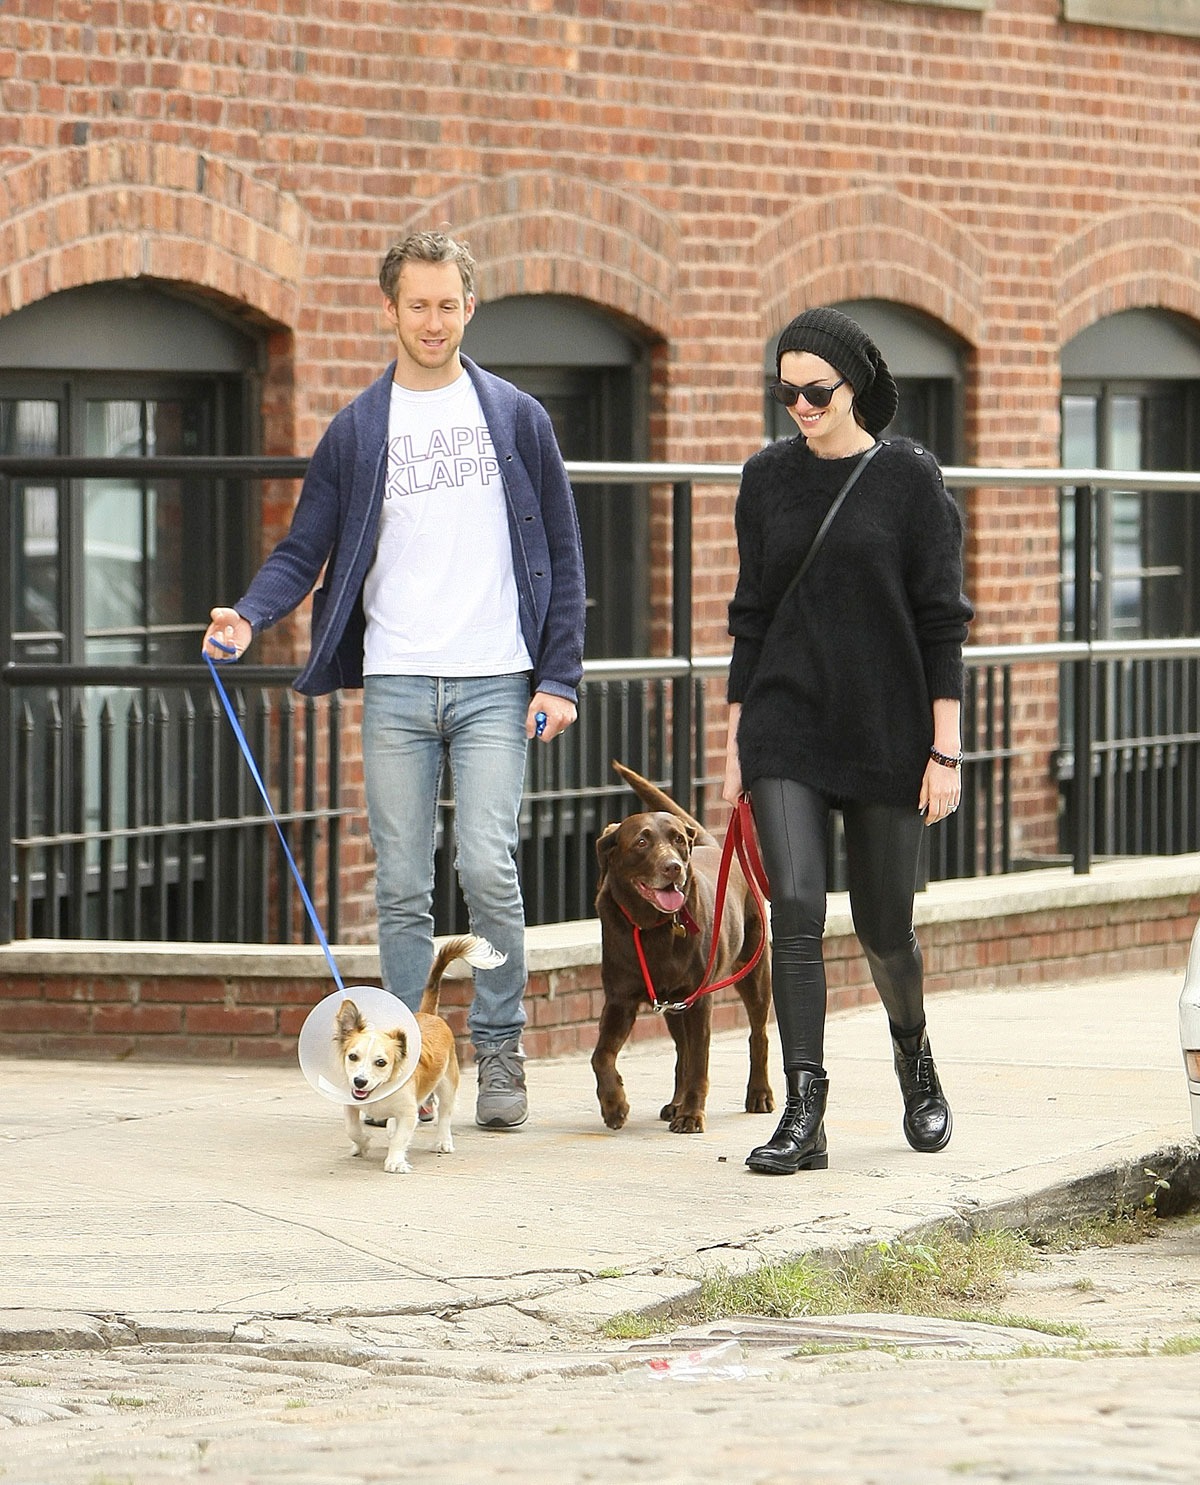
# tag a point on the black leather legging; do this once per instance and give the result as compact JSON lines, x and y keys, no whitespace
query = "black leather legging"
{"x":883,"y":844}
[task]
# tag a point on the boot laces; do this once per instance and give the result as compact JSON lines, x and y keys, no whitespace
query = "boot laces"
{"x":795,"y":1107}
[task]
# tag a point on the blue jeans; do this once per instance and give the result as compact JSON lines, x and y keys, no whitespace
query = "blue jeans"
{"x":411,"y":724}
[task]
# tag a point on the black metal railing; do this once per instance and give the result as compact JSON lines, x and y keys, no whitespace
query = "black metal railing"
{"x":133,"y":816}
{"x":1140,"y":793}
{"x":128,"y":812}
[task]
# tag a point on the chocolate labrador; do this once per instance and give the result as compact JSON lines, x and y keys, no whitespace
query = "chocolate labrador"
{"x":658,"y":872}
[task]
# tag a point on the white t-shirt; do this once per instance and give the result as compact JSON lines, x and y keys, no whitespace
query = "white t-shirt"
{"x":440,"y":596}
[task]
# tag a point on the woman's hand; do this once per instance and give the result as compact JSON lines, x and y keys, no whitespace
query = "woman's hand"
{"x":941,"y":790}
{"x":731,"y":787}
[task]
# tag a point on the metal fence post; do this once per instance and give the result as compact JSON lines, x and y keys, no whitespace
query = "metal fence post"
{"x":1081,"y":783}
{"x":681,"y":642}
{"x":8,"y":740}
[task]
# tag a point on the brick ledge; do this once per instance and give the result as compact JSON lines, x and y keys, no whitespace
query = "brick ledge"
{"x":563,"y":946}
{"x":230,"y":1002}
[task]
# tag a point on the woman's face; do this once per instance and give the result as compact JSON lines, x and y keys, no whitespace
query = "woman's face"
{"x":823,"y":424}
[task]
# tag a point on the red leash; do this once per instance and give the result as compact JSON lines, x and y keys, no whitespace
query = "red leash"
{"x":740,"y":837}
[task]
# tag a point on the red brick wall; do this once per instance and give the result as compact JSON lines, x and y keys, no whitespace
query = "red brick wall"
{"x":257,"y":1019}
{"x":699,"y":169}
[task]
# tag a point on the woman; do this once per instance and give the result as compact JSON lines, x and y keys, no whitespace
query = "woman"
{"x":844,"y":694}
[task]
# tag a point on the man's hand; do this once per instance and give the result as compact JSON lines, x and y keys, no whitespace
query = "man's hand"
{"x":558,"y":712}
{"x":228,"y":636}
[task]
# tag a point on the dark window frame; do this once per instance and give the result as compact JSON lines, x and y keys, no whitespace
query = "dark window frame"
{"x":1164,"y":523}
{"x":234,"y":520}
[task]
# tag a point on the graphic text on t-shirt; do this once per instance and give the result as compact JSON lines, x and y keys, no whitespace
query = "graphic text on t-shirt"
{"x":448,"y":459}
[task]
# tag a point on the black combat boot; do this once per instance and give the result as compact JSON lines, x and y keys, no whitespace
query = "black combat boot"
{"x":799,"y":1142}
{"x":927,"y":1120}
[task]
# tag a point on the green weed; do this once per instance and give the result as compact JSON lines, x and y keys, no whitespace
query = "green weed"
{"x":802,"y":1287}
{"x":1020,"y":1322}
{"x":1125,"y":1225}
{"x":630,"y":1326}
{"x":1157,"y":1189}
{"x":935,"y":1277}
{"x":834,"y":1348}
{"x":1180,"y":1345}
{"x":938,"y":1276}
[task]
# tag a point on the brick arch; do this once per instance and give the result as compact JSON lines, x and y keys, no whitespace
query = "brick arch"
{"x":122,"y":210}
{"x":542,"y":233}
{"x":1148,"y":258}
{"x":871,"y":245}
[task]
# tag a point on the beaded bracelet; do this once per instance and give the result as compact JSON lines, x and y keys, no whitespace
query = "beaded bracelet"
{"x":945,"y":759}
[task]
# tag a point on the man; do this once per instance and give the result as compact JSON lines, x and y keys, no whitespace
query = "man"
{"x":438,"y":505}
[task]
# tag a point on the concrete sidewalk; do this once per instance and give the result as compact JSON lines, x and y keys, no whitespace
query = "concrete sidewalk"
{"x":212,"y":1204}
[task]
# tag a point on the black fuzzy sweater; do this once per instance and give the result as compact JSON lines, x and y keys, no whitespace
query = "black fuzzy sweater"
{"x":837,"y":688}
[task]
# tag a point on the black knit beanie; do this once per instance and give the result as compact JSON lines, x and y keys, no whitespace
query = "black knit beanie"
{"x":852,"y":353}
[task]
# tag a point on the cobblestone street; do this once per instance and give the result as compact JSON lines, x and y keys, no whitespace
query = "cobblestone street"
{"x":1109,"y":1407}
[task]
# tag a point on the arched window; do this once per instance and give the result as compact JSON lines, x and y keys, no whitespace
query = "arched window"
{"x":1131,"y":400}
{"x":927,"y":363}
{"x":116,"y":571}
{"x":592,"y":376}
{"x":120,"y":571}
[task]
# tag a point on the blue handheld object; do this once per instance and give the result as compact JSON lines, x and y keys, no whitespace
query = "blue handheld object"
{"x":229,"y":649}
{"x":540,"y":719}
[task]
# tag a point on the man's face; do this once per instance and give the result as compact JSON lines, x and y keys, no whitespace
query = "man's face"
{"x":429,"y":316}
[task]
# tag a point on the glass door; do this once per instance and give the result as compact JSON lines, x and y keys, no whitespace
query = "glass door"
{"x":148,"y":547}
{"x":1141,"y":540}
{"x":114,"y":571}
{"x":121,"y":571}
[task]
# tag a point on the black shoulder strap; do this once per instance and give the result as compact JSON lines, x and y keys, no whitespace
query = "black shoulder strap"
{"x":828,"y":521}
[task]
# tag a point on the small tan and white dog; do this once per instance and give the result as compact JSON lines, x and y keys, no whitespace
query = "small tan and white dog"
{"x":373,"y":1055}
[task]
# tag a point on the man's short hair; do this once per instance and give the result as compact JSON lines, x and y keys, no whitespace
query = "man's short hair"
{"x":426,"y":247}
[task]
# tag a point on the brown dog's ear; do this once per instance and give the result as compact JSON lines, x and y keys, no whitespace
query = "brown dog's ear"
{"x":349,"y":1020}
{"x":691,"y":832}
{"x":605,"y":842}
{"x":401,"y":1040}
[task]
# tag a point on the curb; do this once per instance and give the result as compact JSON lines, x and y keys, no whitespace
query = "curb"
{"x":1120,"y":1186}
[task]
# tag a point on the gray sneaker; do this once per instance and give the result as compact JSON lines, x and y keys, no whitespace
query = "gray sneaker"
{"x":500,"y":1102}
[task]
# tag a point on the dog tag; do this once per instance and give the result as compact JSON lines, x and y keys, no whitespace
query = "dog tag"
{"x":680,"y":931}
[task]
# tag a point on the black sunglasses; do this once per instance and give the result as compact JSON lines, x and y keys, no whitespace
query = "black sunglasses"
{"x":814,"y":393}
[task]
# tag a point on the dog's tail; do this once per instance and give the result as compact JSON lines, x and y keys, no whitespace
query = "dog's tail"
{"x":475,"y":950}
{"x":654,"y":798}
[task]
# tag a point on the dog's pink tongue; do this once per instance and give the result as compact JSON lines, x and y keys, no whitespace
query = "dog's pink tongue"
{"x":668,"y":899}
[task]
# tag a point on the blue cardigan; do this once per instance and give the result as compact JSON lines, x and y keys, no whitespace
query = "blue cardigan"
{"x":337,"y":518}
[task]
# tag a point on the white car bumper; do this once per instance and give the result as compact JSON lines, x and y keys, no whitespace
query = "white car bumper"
{"x":1189,"y":1027}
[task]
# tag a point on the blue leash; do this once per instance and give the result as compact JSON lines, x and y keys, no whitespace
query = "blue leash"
{"x":262,"y":789}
